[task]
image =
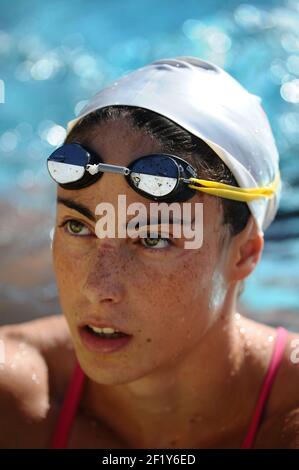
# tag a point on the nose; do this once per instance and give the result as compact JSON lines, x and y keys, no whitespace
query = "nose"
{"x":104,"y":281}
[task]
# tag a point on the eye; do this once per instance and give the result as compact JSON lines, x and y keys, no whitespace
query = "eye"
{"x":155,"y":242}
{"x":75,"y":227}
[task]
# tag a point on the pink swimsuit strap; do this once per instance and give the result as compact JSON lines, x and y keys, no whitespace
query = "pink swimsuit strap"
{"x":74,"y":391}
{"x":276,"y":358}
{"x":68,"y":410}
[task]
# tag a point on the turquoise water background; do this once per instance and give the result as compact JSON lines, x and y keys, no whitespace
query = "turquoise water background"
{"x":55,"y":55}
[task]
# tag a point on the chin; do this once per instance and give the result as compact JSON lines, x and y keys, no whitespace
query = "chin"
{"x":106,"y":375}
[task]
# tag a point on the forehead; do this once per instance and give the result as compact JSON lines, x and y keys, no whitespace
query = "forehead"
{"x":118,"y":142}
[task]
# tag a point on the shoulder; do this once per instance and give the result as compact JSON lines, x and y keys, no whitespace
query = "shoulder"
{"x":32,"y":374}
{"x":280,"y":428}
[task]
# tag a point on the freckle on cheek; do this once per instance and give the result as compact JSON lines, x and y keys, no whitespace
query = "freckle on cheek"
{"x":148,"y":340}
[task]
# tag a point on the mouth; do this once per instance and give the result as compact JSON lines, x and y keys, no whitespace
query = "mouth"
{"x":103,"y":338}
{"x":106,"y":332}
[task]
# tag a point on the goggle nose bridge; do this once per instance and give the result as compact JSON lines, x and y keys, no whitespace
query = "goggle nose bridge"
{"x":105,"y":167}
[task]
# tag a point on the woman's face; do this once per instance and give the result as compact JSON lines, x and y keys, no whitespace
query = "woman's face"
{"x":162,"y":294}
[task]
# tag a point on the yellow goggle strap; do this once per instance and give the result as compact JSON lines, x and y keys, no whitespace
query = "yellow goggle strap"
{"x":235,"y":193}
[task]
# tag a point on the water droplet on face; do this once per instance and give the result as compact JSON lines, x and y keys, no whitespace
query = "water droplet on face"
{"x":270,"y":338}
{"x":242,"y":330}
{"x":237,"y":316}
{"x":35,"y":379}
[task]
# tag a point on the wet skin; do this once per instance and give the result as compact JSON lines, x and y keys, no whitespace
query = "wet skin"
{"x":193,"y":367}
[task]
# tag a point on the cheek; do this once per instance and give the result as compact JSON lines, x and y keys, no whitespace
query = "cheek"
{"x":175,"y":297}
{"x":69,"y":267}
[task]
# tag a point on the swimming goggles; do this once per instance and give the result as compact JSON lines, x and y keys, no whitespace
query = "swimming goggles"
{"x":161,"y":177}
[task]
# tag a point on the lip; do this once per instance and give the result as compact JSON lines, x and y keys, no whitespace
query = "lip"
{"x":102,"y":324}
{"x":102,"y":345}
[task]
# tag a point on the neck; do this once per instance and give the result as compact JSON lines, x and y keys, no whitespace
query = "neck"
{"x":183,"y":402}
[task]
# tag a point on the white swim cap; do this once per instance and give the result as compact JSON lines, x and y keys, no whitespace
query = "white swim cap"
{"x":208,"y":102}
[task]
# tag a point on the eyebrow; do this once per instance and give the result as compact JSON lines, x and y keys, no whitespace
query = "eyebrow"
{"x":77,"y":207}
{"x":88,"y":213}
